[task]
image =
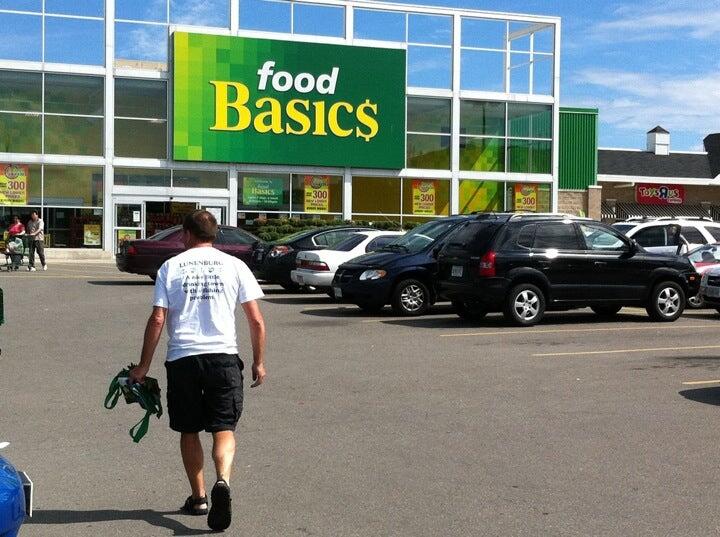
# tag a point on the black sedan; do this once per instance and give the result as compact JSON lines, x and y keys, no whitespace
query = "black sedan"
{"x":272,"y":262}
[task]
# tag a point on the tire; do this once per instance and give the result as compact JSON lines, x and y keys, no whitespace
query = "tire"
{"x":410,"y":298}
{"x":606,"y":310}
{"x":469,"y":311}
{"x":667,"y":302}
{"x":524,"y":305}
{"x":370,"y":307}
{"x":695,"y":302}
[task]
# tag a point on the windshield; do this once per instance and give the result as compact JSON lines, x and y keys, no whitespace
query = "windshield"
{"x":623,"y":228}
{"x":707,"y":255}
{"x":422,"y":236}
{"x":348,"y":244}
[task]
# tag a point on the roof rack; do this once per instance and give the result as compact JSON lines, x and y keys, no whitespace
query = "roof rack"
{"x":662,"y":218}
{"x":564,"y":216}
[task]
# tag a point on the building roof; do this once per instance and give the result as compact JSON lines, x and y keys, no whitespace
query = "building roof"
{"x":659,"y":130}
{"x":647,"y":164}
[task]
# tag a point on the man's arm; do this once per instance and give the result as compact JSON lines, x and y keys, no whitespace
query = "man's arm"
{"x":256,"y":324}
{"x":153,"y":330}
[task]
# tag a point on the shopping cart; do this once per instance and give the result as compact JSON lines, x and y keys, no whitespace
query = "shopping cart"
{"x":15,"y":256}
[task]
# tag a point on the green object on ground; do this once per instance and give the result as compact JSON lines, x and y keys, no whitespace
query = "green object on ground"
{"x":147,"y":395}
{"x":2,"y":309}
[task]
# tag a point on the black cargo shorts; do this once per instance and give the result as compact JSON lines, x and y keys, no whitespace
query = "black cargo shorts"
{"x":205,"y":392}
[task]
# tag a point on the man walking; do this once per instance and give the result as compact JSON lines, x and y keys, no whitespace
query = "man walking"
{"x":197,"y":293}
{"x":35,"y":231}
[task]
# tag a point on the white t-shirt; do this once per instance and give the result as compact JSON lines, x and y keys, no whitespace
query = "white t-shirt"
{"x":200,"y":289}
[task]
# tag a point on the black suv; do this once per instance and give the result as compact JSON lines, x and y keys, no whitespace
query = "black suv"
{"x":524,"y":264}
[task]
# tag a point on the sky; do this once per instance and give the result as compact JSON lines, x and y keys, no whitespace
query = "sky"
{"x":641,"y":62}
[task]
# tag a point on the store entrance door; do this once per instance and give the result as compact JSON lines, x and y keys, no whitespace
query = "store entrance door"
{"x":161,"y":215}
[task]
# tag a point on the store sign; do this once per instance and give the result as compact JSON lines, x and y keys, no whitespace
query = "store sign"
{"x":92,"y":235}
{"x":317,"y":194}
{"x":263,"y":192}
{"x":658,"y":194}
{"x":248,"y":100}
{"x":526,"y":198}
{"x":423,"y":197}
{"x":13,"y":184}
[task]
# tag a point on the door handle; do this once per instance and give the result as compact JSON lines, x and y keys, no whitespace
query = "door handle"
{"x":600,"y":263}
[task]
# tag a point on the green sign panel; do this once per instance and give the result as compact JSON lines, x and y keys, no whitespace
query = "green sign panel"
{"x":262,"y":192}
{"x":249,"y":100}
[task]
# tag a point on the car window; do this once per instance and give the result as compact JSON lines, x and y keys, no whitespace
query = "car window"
{"x":598,"y":238}
{"x":526,"y":237}
{"x":333,"y":237}
{"x":715,"y":232}
{"x":556,"y":235}
{"x":623,"y":228}
{"x":379,"y":242}
{"x":349,"y":243}
{"x":706,"y":254}
{"x":236,"y":237}
{"x":166,"y":234}
{"x":421,"y":237}
{"x":473,"y":237}
{"x":692,"y":235}
{"x":652,"y":236}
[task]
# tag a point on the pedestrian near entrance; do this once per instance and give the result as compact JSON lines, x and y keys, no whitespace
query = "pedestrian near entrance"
{"x":197,"y":292}
{"x":36,"y":233}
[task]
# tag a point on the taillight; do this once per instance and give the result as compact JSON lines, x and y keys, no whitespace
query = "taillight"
{"x":278,"y":251}
{"x":131,"y":250}
{"x":487,"y":265}
{"x":312,"y":265}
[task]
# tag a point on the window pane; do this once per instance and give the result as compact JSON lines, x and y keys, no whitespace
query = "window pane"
{"x":480,"y":196}
{"x":542,"y":75}
{"x":74,"y":41}
{"x":529,"y":156}
{"x":529,"y":120}
{"x":376,"y":195}
{"x":430,"y":29}
{"x":141,"y":10}
{"x":379,"y":25}
{"x":20,"y":91}
{"x":141,"y":42}
{"x":303,"y":186}
{"x":199,"y":179}
{"x":22,"y":5}
{"x":141,"y":138}
{"x":482,"y":71}
{"x":201,"y":13}
{"x":72,"y":228}
{"x":67,"y":135}
{"x":414,"y":204}
{"x":521,"y":42}
{"x":141,"y":177}
{"x":484,"y":118}
{"x":87,"y":8}
{"x":545,"y":40}
{"x":140,"y":98}
{"x":264,"y":192}
{"x":520,"y":73}
{"x":428,"y":115}
{"x":557,"y":236}
{"x":430,"y":152}
{"x":80,"y":186}
{"x":22,"y":37}
{"x":692,"y":235}
{"x":34,"y":190}
{"x":319,"y":20}
{"x":268,"y":15}
{"x":69,"y":94}
{"x":429,"y":67}
{"x":482,"y":154}
{"x":20,"y":133}
{"x":598,"y":238}
{"x":483,"y":33}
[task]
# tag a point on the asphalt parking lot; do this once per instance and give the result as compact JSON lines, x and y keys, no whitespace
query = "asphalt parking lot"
{"x":373,"y":425}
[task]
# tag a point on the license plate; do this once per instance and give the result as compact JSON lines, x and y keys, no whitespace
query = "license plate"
{"x":338,"y":292}
{"x":300,"y":279}
{"x":457,"y":271}
{"x":712,"y":292}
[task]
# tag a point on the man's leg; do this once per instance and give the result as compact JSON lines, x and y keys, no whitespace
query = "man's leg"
{"x":192,"y":456}
{"x":223,"y":453}
{"x":31,"y":255}
{"x":40,"y":245}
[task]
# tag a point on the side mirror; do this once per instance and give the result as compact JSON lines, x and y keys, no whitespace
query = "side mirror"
{"x":436,"y":252}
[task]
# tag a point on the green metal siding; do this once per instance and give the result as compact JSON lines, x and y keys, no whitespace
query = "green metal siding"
{"x":578,"y":148}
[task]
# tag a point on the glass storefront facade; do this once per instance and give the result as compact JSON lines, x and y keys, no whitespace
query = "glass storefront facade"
{"x":85,"y":108}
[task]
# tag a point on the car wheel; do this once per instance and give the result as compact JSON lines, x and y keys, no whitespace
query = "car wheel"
{"x":606,"y":311}
{"x":524,"y":305}
{"x":469,"y":311}
{"x":696,"y":302}
{"x":370,"y":307}
{"x":410,"y":298}
{"x":667,"y":302}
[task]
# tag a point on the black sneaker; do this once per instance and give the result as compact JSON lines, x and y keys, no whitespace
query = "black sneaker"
{"x":195,"y":506}
{"x":220,"y":507}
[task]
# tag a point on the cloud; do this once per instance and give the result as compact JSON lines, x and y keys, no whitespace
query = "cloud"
{"x":635,"y":100}
{"x":200,"y":12}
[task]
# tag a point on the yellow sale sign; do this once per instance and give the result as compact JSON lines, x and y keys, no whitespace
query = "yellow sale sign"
{"x":423,"y":195}
{"x":317,"y":194}
{"x":13,"y":184}
{"x":526,"y":198}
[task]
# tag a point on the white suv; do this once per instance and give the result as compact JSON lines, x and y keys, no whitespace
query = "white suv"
{"x":655,"y":234}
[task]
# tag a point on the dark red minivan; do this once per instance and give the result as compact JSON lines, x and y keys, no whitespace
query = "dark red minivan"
{"x":146,"y":256}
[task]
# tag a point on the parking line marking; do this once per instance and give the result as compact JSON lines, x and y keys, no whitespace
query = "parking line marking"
{"x":624,"y":351}
{"x":698,"y":382}
{"x":576,"y":330}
